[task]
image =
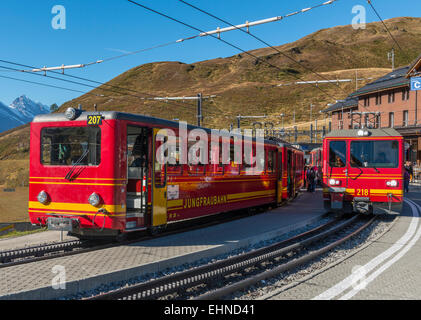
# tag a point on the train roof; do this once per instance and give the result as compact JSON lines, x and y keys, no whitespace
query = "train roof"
{"x":116,"y":115}
{"x":352,"y":133}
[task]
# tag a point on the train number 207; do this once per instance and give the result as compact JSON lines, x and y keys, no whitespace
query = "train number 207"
{"x":94,"y":120}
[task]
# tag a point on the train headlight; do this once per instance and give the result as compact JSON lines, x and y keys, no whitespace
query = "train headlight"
{"x":334,"y":182}
{"x":42,"y":197}
{"x":392,"y":183}
{"x":363,"y":133}
{"x":70,"y":113}
{"x":94,"y":199}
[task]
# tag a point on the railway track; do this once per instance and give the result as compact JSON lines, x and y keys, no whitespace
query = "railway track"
{"x":239,"y":272}
{"x":9,"y":258}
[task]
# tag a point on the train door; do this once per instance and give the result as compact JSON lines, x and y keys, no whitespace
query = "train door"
{"x":290,"y":177}
{"x":137,"y":174}
{"x":337,"y":173}
{"x":159,"y":180}
{"x":279,"y":177}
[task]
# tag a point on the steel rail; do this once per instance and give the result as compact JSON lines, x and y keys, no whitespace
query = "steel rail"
{"x":208,"y":273}
{"x":33,"y":251}
{"x":31,"y":254}
{"x":240,"y":285}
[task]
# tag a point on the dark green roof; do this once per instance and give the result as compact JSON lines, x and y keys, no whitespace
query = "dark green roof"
{"x":393,"y":79}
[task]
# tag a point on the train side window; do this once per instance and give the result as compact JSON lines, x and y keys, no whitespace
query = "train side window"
{"x":234,"y":167}
{"x":193,"y":167}
{"x":271,"y":161}
{"x":160,"y":168}
{"x":337,"y":154}
{"x":215,"y":155}
{"x":280,"y":165}
{"x":174,"y":166}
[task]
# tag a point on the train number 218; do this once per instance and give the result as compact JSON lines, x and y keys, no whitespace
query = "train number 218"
{"x":363,"y":192}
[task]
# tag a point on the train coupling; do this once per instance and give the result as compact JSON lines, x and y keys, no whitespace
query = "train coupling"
{"x":362,"y":205}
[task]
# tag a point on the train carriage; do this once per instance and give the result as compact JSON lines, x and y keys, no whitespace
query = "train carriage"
{"x":98,"y":174}
{"x":363,"y":171}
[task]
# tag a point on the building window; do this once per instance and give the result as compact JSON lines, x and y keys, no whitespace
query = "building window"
{"x":378,"y":99}
{"x":405,"y":94}
{"x":367,"y":102}
{"x":391,"y":97}
{"x":405,"y":118}
{"x":391,"y":119}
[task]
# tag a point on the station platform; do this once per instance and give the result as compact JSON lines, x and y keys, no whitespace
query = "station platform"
{"x":87,"y":271}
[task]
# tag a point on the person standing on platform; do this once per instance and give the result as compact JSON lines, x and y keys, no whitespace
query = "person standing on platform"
{"x":406,"y":178}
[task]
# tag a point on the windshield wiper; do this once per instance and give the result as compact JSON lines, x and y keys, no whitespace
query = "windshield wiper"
{"x":78,"y":161}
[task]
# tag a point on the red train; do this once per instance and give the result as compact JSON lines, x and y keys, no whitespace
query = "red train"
{"x":363,"y":171}
{"x":98,"y":175}
{"x":316,"y":158}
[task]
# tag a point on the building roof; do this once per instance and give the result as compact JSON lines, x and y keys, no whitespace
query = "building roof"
{"x":416,"y":66}
{"x":348,"y":103}
{"x":393,"y":79}
{"x":352,"y":133}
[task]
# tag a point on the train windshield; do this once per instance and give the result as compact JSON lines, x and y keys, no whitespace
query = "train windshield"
{"x":375,"y":154}
{"x":71,"y":146}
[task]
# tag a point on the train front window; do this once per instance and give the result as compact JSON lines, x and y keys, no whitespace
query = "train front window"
{"x":375,"y":154}
{"x":337,"y":154}
{"x":68,"y":146}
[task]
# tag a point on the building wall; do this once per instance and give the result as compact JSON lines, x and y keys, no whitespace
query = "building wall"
{"x":385,"y":107}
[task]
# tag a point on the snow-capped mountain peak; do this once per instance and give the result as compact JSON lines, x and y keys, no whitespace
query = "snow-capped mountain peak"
{"x":22,"y":110}
{"x":27,"y":109}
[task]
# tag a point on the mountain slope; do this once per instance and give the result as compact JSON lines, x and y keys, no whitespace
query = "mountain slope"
{"x":248,"y":86}
{"x":21,"y":111}
{"x":8,"y":118}
{"x":27,"y":109}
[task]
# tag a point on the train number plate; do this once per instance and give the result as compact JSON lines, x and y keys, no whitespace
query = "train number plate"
{"x":94,"y":120}
{"x":60,"y":224}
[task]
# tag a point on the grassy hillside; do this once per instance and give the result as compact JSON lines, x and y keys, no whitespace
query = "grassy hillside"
{"x":245,"y":85}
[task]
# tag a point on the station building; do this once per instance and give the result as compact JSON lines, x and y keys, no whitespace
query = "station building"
{"x":387,"y":102}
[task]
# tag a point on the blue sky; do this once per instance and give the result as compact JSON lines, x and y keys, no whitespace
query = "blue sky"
{"x":97,"y":29}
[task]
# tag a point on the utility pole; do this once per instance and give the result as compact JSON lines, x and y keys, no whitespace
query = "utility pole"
{"x":199,"y":109}
{"x":356,"y":80}
{"x":311,"y":111}
{"x":294,"y":115}
{"x":391,"y":57}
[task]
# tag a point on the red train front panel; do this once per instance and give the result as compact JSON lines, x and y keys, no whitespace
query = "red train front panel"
{"x":363,"y":173}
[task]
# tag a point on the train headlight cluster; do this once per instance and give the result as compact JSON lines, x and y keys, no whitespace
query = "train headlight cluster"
{"x":363,"y":133}
{"x":392,"y":183}
{"x":334,"y":182}
{"x":94,"y":199}
{"x":42,"y":197}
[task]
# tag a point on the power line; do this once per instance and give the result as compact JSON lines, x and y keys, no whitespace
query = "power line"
{"x":387,"y":29}
{"x":49,"y":85}
{"x":261,"y":40}
{"x":269,"y":45}
{"x":217,"y":31}
{"x":92,"y":81}
{"x":233,"y":27}
{"x":226,"y":42}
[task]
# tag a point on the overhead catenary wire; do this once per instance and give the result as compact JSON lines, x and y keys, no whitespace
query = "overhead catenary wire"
{"x":387,"y":29}
{"x":50,"y":85}
{"x":224,"y":41}
{"x":185,"y":105}
{"x":202,"y":34}
{"x":269,"y":45}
